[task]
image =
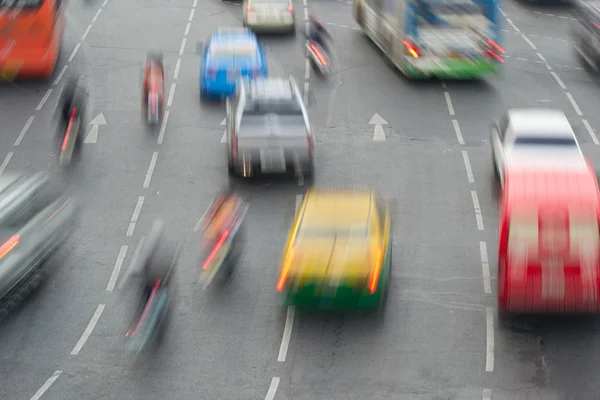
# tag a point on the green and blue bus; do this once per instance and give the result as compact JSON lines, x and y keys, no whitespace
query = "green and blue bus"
{"x":448,"y":39}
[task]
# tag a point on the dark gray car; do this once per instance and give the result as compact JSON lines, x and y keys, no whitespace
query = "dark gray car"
{"x":586,"y":32}
{"x":34,"y":221}
{"x":268,"y":130}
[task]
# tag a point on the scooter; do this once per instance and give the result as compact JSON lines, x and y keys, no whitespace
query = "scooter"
{"x":318,"y":58}
{"x":71,"y":140}
{"x":220,"y":259}
{"x":154,"y":107}
{"x":147,"y":328}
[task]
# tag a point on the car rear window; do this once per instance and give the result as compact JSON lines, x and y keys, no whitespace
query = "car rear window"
{"x":224,"y":47}
{"x":264,"y":107}
{"x":263,"y":125}
{"x":545,"y":141}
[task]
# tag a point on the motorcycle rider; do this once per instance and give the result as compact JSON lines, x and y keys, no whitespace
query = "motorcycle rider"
{"x":72,"y":99}
{"x":154,"y":75}
{"x":155,"y":264}
{"x":318,"y":34}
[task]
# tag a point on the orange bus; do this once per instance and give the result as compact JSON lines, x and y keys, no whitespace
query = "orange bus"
{"x":31,"y":33}
{"x":549,"y":242}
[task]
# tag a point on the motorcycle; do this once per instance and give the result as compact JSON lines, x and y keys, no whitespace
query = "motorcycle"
{"x":225,"y":253}
{"x":71,"y":139}
{"x":147,"y":328}
{"x":154,"y":107}
{"x":318,"y":58}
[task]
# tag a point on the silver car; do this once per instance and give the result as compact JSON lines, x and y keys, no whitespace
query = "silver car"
{"x":586,"y":32}
{"x":268,"y":130}
{"x":269,"y":15}
{"x":532,"y":138}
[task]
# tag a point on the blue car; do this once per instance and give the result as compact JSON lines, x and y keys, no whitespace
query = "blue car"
{"x":229,"y":54}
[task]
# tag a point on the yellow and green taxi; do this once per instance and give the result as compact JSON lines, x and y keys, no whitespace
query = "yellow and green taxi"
{"x":339,"y":251}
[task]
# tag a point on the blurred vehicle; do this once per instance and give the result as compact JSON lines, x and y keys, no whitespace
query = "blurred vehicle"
{"x":154,"y":89}
{"x":532,"y":135}
{"x":34,"y":222}
{"x":71,"y":110}
{"x":317,"y":46}
{"x":339,"y":251}
{"x":31,"y":37}
{"x":270,"y":15}
{"x":455,"y":39}
{"x":586,"y":31}
{"x":268,"y":129}
{"x":155,"y":264}
{"x":549,"y":243}
{"x":222,"y":238}
{"x":229,"y":54}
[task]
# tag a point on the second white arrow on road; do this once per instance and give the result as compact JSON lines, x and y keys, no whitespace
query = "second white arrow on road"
{"x":378,"y":133}
{"x":92,"y":136}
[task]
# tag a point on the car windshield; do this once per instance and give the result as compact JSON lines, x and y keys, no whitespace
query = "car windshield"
{"x":265,"y":124}
{"x":233,"y":47}
{"x":263,"y":107}
{"x":545,"y":141}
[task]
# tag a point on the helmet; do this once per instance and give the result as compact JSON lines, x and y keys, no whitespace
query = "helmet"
{"x":156,"y":56}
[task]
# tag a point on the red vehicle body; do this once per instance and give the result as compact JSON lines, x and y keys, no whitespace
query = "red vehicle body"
{"x":549,"y":242}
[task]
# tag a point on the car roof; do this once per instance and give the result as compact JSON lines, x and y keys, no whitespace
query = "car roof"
{"x":529,"y":189}
{"x":539,"y":122}
{"x":341,"y":209}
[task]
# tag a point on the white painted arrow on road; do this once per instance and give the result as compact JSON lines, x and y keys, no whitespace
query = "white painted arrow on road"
{"x":224,"y":138}
{"x":92,"y":136}
{"x":378,"y":134}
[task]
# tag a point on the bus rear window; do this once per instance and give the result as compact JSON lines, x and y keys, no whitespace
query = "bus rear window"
{"x":12,"y":4}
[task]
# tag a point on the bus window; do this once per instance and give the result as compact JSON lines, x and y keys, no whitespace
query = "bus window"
{"x":585,"y":239}
{"x":522,"y":239}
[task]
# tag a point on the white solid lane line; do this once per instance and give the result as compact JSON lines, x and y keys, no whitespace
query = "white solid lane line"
{"x":5,"y":162}
{"x":150,"y":170}
{"x":558,"y":80}
{"x":117,"y":269}
{"x":477,"y":208}
{"x":38,"y":395}
{"x":96,"y":16}
{"x":485,"y":267}
{"x":489,"y":358}
{"x":468,"y":166}
{"x":24,"y":130}
{"x":272,"y":388}
{"x":136,"y":214}
{"x":287,"y":334}
{"x":88,"y":331}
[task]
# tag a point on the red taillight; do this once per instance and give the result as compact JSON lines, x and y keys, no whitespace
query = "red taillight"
{"x":249,"y":8}
{"x":311,"y":146}
{"x":496,"y":47}
{"x":286,"y":270}
{"x":375,"y":272}
{"x":153,"y":99}
{"x":317,"y":52}
{"x":69,"y":127}
{"x":234,"y":146}
{"x":132,"y":333}
{"x":9,"y":245}
{"x":291,"y":8}
{"x":412,"y":49}
{"x":215,"y":251}
{"x":496,"y":56}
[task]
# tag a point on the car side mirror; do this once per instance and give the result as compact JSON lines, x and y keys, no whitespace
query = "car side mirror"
{"x":199,"y":47}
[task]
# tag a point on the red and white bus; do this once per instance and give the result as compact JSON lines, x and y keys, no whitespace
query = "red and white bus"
{"x":549,"y":242}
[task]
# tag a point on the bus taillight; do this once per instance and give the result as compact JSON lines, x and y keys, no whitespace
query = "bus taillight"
{"x":412,"y":49}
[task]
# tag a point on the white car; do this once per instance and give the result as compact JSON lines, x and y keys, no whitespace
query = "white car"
{"x":269,"y":15}
{"x":534,"y":137}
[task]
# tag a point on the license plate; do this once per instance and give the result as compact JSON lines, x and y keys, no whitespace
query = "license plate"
{"x":272,"y":160}
{"x":9,"y":70}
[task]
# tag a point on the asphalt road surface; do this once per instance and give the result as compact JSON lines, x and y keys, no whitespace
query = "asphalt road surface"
{"x":438,"y":337}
